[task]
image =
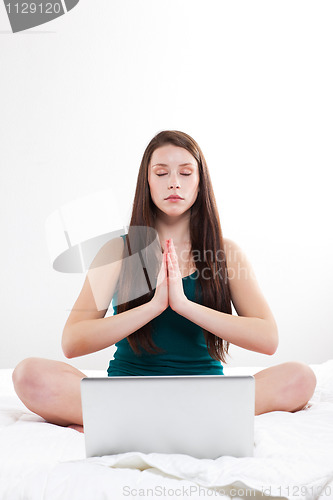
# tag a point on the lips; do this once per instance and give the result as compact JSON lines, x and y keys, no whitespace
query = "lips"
{"x":174,"y":197}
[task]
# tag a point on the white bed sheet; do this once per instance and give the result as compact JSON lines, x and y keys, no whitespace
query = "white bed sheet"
{"x":293,"y":457}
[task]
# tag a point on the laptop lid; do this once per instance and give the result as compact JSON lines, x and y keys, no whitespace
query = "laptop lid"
{"x":205,"y":416}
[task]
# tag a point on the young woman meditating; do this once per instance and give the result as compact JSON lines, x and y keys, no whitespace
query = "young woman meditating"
{"x":172,"y":302}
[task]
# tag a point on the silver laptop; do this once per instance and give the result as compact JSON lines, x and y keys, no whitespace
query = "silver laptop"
{"x":204,"y":416}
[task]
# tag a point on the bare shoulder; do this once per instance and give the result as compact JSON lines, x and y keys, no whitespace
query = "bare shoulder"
{"x":238,"y":265}
{"x":228,"y":244}
{"x":233,"y":252}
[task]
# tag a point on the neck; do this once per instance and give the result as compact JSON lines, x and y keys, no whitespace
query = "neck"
{"x":177,"y":228}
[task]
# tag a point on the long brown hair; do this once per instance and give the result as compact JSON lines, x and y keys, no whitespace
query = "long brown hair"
{"x":206,"y":241}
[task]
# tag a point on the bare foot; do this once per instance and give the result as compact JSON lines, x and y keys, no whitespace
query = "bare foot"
{"x":76,"y":427}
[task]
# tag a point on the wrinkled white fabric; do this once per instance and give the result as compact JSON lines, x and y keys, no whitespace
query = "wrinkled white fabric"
{"x":293,"y":458}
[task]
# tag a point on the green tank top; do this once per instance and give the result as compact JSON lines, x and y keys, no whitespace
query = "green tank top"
{"x":183,"y":343}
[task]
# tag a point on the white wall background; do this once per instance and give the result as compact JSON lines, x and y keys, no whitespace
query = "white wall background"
{"x":82,"y":96}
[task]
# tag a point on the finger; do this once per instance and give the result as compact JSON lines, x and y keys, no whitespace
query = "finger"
{"x":173,"y":250}
{"x":167,"y":249}
{"x":163,"y":269}
{"x":172,"y":268}
{"x":165,"y":265}
{"x":165,"y":262}
{"x":174,"y":258}
{"x":175,"y":265}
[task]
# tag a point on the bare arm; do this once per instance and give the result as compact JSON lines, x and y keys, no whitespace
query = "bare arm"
{"x":87,"y":336}
{"x":254,"y":328}
{"x":87,"y":330}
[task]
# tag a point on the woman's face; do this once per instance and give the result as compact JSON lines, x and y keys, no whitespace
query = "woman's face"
{"x":173,"y":172}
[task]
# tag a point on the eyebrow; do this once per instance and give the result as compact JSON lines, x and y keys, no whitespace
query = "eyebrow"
{"x":165,"y":165}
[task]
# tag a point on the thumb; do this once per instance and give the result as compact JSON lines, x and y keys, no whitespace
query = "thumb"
{"x":163,"y":270}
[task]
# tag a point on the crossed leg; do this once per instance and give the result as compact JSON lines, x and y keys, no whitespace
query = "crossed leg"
{"x":284,"y":387}
{"x":51,"y":389}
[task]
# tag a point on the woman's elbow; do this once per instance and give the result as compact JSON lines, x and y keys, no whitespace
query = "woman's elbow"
{"x":67,"y":350}
{"x":67,"y":345}
{"x":271,"y":349}
{"x":273,"y":343}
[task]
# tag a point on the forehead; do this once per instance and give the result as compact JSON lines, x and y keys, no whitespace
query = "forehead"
{"x":172,"y":155}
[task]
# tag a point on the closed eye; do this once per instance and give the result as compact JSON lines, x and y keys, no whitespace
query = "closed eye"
{"x":160,"y":175}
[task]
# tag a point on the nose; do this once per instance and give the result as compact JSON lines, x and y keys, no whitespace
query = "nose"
{"x":174,"y":183}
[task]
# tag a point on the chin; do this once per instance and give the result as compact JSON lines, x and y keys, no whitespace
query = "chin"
{"x":177,"y":213}
{"x":172,"y":211}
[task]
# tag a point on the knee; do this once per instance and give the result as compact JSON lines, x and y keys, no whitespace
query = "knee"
{"x":302,"y":380}
{"x":27,"y":376}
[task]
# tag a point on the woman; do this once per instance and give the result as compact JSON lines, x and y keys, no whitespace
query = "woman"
{"x":181,"y":323}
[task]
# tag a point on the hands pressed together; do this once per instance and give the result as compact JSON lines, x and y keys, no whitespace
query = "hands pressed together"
{"x":169,"y":288}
